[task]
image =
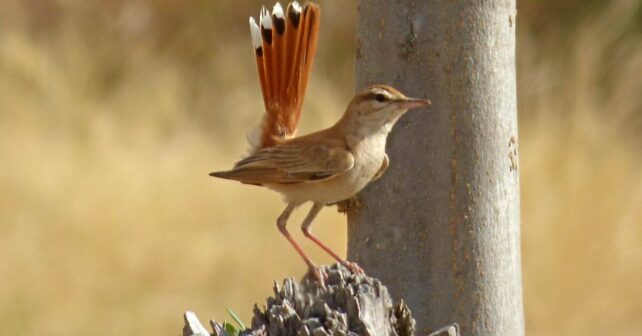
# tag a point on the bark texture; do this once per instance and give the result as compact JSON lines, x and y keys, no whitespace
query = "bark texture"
{"x":441,"y":227}
{"x":349,"y":305}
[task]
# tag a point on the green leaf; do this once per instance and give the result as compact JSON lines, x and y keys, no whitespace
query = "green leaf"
{"x":236,"y":318}
{"x":230,"y":329}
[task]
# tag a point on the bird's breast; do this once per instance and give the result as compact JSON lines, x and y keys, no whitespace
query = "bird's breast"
{"x":368,"y":156}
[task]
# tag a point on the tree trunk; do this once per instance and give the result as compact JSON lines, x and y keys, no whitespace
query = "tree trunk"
{"x":441,"y":227}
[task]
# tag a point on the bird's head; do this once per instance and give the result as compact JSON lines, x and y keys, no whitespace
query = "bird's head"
{"x":380,"y":106}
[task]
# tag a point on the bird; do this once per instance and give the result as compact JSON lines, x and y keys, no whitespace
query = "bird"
{"x":323,"y":167}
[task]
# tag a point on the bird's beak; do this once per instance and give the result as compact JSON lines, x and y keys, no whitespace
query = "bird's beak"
{"x":410,"y":103}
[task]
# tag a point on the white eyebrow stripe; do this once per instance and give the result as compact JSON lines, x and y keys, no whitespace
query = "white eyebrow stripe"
{"x":382,"y":91}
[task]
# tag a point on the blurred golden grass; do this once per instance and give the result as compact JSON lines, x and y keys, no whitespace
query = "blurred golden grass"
{"x":580,"y":112}
{"x":110,"y":225}
{"x":109,"y":220}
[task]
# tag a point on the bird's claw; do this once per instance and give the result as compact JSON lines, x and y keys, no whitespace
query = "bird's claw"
{"x":352,"y":266}
{"x":348,"y":205}
{"x":318,"y":274}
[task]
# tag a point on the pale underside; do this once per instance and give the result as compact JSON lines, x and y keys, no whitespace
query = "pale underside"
{"x":310,"y":169}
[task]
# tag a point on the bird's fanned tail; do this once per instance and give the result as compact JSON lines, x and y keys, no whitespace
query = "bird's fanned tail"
{"x":285,"y":43}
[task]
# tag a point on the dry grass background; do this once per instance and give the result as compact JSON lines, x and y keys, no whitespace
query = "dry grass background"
{"x":112,"y":114}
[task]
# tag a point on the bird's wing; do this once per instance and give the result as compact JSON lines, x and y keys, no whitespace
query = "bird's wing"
{"x":292,"y":162}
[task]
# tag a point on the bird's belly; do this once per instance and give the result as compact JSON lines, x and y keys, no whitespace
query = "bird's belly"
{"x":326,"y":191}
{"x":336,"y":188}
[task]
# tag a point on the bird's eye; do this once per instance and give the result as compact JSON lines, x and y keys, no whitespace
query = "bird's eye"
{"x":380,"y":98}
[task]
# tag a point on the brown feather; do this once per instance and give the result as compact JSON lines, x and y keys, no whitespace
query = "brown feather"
{"x":291,"y":30}
{"x":278,"y":53}
{"x":287,"y":63}
{"x":298,"y":160}
{"x":310,"y":40}
{"x":268,"y":66}
{"x":262,"y":80}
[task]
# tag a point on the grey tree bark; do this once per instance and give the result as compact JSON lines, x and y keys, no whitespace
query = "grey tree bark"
{"x":349,"y":304}
{"x":441,"y":227}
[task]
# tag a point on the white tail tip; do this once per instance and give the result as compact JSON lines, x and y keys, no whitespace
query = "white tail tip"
{"x":277,"y":11}
{"x":266,"y":19}
{"x":256,"y":33}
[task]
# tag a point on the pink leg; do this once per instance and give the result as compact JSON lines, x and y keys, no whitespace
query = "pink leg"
{"x":306,"y":228}
{"x":281,"y":223}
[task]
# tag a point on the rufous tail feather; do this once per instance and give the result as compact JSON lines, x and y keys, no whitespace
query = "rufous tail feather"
{"x":285,"y":43}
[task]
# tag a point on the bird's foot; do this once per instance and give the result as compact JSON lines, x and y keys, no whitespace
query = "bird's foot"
{"x":352,"y":266}
{"x":317,"y":273}
{"x":348,"y":204}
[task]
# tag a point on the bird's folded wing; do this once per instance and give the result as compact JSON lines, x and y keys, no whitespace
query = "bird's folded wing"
{"x":292,"y":162}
